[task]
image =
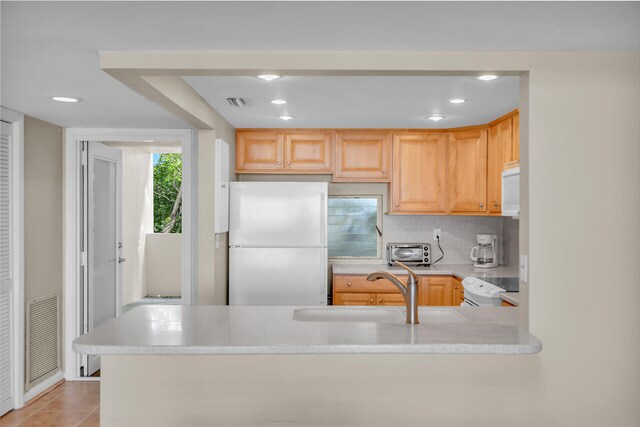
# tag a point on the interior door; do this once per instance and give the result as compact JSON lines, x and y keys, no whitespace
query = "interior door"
{"x":6,"y":276}
{"x":103,"y":237}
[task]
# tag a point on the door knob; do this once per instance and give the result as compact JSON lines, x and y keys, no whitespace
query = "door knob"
{"x":121,"y":260}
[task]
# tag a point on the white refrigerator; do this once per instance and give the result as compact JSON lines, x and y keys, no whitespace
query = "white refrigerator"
{"x":278,"y":243}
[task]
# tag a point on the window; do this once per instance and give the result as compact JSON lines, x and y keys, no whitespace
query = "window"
{"x":167,"y":192}
{"x":354,"y":226}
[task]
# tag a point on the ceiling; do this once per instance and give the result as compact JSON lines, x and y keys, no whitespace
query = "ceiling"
{"x":362,"y":102}
{"x":51,"y":48}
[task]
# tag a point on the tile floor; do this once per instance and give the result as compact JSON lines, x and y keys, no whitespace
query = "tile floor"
{"x":71,"y":404}
{"x":152,"y":301}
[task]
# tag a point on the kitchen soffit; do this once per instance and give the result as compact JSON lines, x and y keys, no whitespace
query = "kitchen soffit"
{"x":359,"y":101}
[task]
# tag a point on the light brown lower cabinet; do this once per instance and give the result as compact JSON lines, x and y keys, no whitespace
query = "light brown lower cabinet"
{"x":432,"y":290}
{"x":458,"y":291}
{"x":436,"y":290}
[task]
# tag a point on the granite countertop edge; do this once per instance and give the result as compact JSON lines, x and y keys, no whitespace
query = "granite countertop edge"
{"x":535,"y":346}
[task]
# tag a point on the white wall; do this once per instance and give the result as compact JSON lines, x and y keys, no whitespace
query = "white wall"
{"x":137,"y":219}
{"x":43,"y":211}
{"x":164,"y":264}
{"x":579,"y":188}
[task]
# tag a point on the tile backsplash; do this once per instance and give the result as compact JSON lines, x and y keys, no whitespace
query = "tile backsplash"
{"x":458,"y":234}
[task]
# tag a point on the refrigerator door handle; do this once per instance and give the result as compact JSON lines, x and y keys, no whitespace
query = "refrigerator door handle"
{"x":324,"y":283}
{"x":323,"y":221}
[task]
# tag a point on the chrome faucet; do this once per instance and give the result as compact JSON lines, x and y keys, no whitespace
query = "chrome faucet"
{"x":409,"y":291}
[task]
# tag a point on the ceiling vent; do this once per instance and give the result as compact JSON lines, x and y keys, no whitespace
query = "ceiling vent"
{"x":239,"y":102}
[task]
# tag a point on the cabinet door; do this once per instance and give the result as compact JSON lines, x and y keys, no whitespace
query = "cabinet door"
{"x":419,"y":177}
{"x":515,"y":151}
{"x":391,"y":299}
{"x":467,"y":181}
{"x":458,"y":292}
{"x":363,"y":156}
{"x":494,"y":171}
{"x":259,"y":151}
{"x":308,"y":151}
{"x":436,"y":291}
{"x":348,"y":298}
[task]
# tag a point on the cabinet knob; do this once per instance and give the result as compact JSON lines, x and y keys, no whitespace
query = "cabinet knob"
{"x":348,"y":283}
{"x":496,"y":204}
{"x":380,"y":300}
{"x":371,"y":300}
{"x":384,"y":172}
{"x":279,"y":163}
{"x":288,"y":163}
{"x":397,"y":204}
{"x":481,"y":205}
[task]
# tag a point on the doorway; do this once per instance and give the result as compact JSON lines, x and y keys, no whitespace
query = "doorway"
{"x":152,"y":223}
{"x":104,"y":205}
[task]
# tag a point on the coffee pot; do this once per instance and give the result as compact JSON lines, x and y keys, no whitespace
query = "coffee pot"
{"x":485,"y":254}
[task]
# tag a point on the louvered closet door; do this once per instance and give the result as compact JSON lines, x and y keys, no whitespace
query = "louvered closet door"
{"x":6,"y":279}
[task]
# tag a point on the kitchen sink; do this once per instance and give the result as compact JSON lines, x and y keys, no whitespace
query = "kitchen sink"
{"x":375,"y":315}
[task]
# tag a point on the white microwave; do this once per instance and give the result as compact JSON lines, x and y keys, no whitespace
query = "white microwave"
{"x":511,"y":192}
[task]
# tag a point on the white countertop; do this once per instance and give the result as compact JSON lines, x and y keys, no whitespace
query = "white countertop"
{"x":183,"y":329}
{"x":511,"y":297}
{"x":458,"y":270}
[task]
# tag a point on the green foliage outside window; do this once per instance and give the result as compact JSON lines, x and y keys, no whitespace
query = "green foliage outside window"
{"x":167,"y":193}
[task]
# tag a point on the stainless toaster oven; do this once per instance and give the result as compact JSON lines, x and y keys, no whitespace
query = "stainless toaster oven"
{"x":409,"y":253}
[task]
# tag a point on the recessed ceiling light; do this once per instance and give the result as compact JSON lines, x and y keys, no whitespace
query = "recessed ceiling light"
{"x":457,"y":100}
{"x":285,"y":117}
{"x":435,"y":118}
{"x":268,"y":77}
{"x":64,"y":99}
{"x":278,"y":101}
{"x":487,"y":77}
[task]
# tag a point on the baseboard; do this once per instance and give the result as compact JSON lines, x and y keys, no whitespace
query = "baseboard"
{"x":43,"y":386}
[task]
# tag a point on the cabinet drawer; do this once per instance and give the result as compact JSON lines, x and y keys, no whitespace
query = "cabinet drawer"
{"x":391,"y":299}
{"x":351,"y":298}
{"x":361,"y":284}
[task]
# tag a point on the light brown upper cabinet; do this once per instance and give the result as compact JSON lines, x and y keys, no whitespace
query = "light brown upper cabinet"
{"x":363,"y":156}
{"x":308,"y":151}
{"x":494,"y":171}
{"x":467,"y":172}
{"x":259,"y":151}
{"x":278,"y":151}
{"x":515,"y":153}
{"x":509,"y":136}
{"x":419,"y":183}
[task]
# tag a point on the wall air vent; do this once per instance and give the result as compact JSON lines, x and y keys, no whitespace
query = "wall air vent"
{"x":239,"y":102}
{"x":43,"y":339}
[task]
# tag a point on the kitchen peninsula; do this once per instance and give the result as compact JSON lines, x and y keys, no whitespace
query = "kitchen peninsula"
{"x":204,"y":353}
